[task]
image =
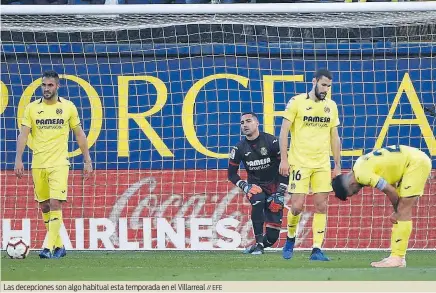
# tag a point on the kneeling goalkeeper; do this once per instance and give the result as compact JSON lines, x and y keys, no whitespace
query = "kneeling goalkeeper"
{"x":265,"y":187}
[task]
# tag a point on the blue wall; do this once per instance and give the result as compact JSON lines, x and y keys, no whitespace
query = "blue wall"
{"x":366,"y":80}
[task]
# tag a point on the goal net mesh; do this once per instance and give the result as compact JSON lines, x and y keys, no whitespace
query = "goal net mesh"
{"x":160,"y":98}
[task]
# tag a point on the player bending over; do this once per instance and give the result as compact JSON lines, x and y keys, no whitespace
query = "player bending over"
{"x":48,"y":120}
{"x":265,"y":187}
{"x":401,"y":173}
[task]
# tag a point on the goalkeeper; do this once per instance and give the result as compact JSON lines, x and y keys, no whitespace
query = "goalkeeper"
{"x":401,"y":173}
{"x":265,"y":187}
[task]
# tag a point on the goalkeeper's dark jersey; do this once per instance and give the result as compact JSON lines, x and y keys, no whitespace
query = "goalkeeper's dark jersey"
{"x":261,"y":158}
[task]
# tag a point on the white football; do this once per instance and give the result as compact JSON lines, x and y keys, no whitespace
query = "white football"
{"x":17,"y":248}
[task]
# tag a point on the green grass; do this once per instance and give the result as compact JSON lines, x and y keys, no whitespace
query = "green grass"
{"x":214,"y":266}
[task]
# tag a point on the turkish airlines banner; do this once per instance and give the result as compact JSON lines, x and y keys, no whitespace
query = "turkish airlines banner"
{"x":195,"y":209}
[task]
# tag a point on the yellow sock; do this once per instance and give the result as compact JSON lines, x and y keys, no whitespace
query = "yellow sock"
{"x":59,"y":242}
{"x":318,"y":229}
{"x":400,"y":238}
{"x":54,"y":228}
{"x":46,"y":218}
{"x":293,"y":221}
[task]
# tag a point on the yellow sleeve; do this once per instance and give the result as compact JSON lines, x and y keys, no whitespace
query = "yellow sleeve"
{"x":27,"y":120}
{"x":291,"y":110}
{"x":74,"y":117}
{"x":335,"y":117}
{"x":364,"y":176}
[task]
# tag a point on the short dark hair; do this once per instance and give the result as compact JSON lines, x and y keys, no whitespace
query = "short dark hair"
{"x":250,"y":113}
{"x":51,"y":74}
{"x":339,"y":187}
{"x":323,"y":72}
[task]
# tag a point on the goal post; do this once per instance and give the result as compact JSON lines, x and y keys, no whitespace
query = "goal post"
{"x":160,"y":90}
{"x":165,"y":9}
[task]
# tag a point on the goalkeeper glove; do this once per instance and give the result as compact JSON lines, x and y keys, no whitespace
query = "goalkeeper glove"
{"x":249,"y":189}
{"x":276,"y":201}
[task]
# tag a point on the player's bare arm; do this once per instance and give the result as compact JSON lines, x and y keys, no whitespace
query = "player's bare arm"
{"x":83,"y":145}
{"x":390,"y":191}
{"x":392,"y":194}
{"x":336,"y":150}
{"x":283,"y":143}
{"x":21,"y":144}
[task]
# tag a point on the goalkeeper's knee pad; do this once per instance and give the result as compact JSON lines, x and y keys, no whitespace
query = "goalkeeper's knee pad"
{"x":271,"y":236}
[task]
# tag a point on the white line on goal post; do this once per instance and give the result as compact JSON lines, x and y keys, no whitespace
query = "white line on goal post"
{"x":216,"y":9}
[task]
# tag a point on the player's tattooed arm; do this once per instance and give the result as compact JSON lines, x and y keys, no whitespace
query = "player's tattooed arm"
{"x":390,"y":191}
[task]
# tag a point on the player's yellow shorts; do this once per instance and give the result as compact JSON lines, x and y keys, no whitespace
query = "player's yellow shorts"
{"x":415,"y":176}
{"x":51,"y":183}
{"x":304,"y":180}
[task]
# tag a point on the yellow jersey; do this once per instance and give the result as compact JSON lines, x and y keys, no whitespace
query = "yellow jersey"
{"x":310,"y":130}
{"x":389,"y":163}
{"x":50,"y":126}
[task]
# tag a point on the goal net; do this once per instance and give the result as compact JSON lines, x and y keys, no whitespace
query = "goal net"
{"x":160,"y":90}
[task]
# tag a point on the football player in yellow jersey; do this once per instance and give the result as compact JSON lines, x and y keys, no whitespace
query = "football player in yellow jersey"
{"x":401,"y":172}
{"x":312,"y":120}
{"x":48,"y":120}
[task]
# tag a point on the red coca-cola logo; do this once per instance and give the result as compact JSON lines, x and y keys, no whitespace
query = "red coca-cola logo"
{"x":148,"y":198}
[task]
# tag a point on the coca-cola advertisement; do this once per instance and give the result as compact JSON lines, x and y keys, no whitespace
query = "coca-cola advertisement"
{"x":192,"y":209}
